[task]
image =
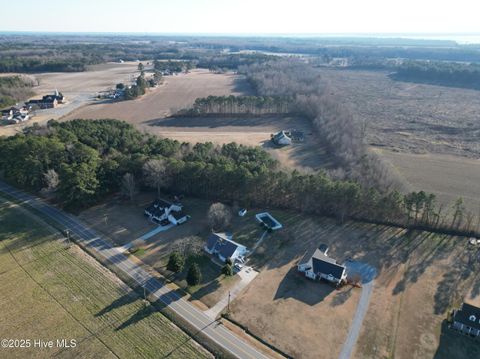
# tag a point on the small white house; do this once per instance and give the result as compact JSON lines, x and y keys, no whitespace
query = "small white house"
{"x":222,"y":245}
{"x":318,"y":265}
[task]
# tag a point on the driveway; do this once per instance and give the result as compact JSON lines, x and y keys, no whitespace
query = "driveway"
{"x":368,"y":274}
{"x":247,"y":274}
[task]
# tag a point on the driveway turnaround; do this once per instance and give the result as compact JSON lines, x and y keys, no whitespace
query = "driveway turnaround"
{"x":89,"y":238}
{"x":368,"y":274}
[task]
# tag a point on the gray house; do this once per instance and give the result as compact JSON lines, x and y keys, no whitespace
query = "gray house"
{"x":224,"y":247}
{"x":317,"y":265}
{"x":467,"y":320}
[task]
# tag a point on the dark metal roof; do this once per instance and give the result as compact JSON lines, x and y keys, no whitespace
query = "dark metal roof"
{"x":326,"y":265}
{"x":224,"y":245}
{"x":468,"y":315}
{"x":177,"y":215}
{"x":161,"y":203}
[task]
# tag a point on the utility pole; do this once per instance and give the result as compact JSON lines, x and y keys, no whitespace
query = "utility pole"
{"x":228,"y":305}
{"x":67,"y":232}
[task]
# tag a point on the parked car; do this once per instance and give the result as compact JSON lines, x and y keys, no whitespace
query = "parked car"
{"x":238,"y":266}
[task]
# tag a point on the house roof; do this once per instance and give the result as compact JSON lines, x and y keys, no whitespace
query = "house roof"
{"x":468,"y":315}
{"x":279,"y":135}
{"x":326,"y":265}
{"x":178,"y":215}
{"x":223,"y":244}
{"x":308,"y":255}
{"x":161,"y":203}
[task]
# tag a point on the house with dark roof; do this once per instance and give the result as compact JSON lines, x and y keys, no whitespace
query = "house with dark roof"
{"x":316,"y":265}
{"x":467,"y":320}
{"x":160,"y":210}
{"x":281,"y":138}
{"x":223,"y":246}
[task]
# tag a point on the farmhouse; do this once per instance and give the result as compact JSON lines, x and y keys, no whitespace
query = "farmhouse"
{"x":15,"y":114}
{"x":467,"y":320}
{"x":281,"y":139}
{"x":317,"y":265}
{"x":222,"y":245}
{"x":267,"y":220}
{"x":161,"y":210}
{"x":47,"y":101}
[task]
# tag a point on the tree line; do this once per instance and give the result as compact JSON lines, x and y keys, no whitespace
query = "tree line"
{"x":341,"y":133}
{"x":441,"y":73}
{"x":234,"y":105}
{"x":80,"y":162}
{"x":14,"y":89}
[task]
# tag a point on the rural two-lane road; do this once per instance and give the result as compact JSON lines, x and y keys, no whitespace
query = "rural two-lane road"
{"x":89,"y":238}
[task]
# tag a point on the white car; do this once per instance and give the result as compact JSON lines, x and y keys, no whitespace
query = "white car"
{"x":238,"y":266}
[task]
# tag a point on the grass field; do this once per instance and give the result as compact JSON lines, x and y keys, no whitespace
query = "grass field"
{"x":52,"y":293}
{"x":421,"y":277}
{"x":448,"y":177}
{"x":410,"y":117}
{"x":175,"y":93}
{"x":79,"y":88}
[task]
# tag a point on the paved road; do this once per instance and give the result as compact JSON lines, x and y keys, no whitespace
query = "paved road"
{"x":216,"y":332}
{"x":368,"y":274}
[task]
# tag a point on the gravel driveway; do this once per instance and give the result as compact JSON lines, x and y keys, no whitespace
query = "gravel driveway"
{"x":368,"y":274}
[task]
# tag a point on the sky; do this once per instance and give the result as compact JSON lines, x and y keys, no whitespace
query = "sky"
{"x":242,"y":16}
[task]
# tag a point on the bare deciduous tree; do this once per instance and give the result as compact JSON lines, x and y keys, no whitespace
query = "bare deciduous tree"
{"x":219,"y":216}
{"x":155,"y":173}
{"x":51,"y":180}
{"x":129,"y":186}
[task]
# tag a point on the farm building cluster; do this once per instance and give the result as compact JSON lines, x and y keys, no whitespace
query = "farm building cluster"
{"x":165,"y":213}
{"x":17,"y":114}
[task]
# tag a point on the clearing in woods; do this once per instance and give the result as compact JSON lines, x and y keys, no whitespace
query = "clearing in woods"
{"x":52,"y":293}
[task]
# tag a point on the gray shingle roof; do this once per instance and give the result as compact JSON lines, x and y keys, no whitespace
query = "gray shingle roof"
{"x":326,"y":265}
{"x":466,"y":315}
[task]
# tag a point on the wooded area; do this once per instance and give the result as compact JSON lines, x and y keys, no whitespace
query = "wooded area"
{"x":91,"y":159}
{"x":14,"y":89}
{"x":238,"y":105}
{"x":440,"y":73}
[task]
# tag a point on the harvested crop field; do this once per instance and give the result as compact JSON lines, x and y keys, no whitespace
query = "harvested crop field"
{"x":79,"y":88}
{"x":175,"y":93}
{"x":421,"y":276}
{"x":52,"y":292}
{"x":411,"y":117}
{"x":448,"y":177}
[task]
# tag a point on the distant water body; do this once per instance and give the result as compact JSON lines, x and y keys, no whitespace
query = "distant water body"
{"x":460,"y":38}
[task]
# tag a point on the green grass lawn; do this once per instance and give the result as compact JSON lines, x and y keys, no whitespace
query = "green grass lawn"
{"x":53,"y":292}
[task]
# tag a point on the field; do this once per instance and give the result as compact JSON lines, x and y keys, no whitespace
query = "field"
{"x":175,"y":93}
{"x":411,"y":117}
{"x":52,"y":292}
{"x":79,"y":88}
{"x":421,"y":277}
{"x":449,"y":177}
{"x":429,"y":133}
